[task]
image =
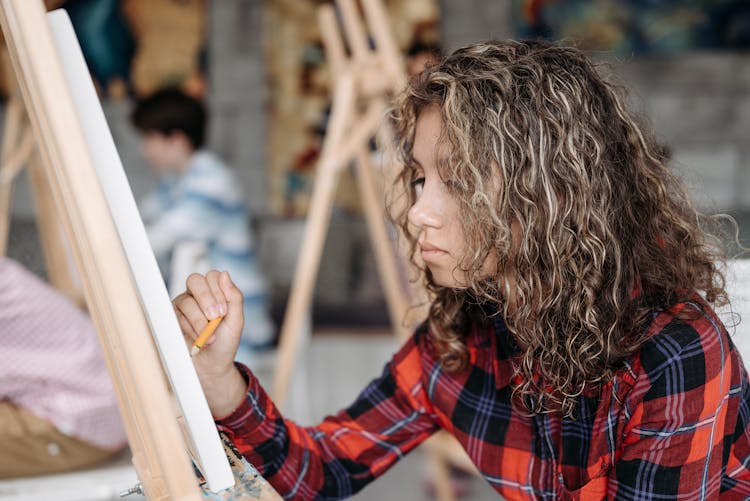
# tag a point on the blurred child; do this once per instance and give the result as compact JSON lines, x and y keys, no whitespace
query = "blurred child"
{"x":58,"y":411}
{"x":196,"y":218}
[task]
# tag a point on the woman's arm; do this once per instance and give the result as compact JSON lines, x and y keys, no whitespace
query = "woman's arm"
{"x":332,"y":460}
{"x":345,"y":452}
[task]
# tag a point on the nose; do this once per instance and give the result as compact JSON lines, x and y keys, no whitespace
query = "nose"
{"x":423,"y":213}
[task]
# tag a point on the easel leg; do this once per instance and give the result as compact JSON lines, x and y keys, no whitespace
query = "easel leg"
{"x":398,"y":301}
{"x":333,"y":157}
{"x":12,"y":127}
{"x":57,"y":254}
{"x":305,"y":275}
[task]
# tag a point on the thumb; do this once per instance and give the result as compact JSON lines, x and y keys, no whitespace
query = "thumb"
{"x":234,"y":318}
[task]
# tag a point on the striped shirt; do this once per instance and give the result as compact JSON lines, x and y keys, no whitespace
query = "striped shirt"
{"x":51,"y":363}
{"x":205,"y":208}
{"x":671,"y":424}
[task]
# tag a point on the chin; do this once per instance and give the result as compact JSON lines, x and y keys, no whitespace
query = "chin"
{"x":446,"y":281}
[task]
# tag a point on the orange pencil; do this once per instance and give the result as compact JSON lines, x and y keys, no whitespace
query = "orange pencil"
{"x":207,"y":331}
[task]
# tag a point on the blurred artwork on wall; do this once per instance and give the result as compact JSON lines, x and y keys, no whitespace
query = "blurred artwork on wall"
{"x":170,"y":48}
{"x":635,"y":27}
{"x":298,"y":93}
{"x":135,"y":46}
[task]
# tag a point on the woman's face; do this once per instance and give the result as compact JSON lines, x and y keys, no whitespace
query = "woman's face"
{"x":435,"y":213}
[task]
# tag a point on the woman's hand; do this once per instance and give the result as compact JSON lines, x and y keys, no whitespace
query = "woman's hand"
{"x":209,"y":296}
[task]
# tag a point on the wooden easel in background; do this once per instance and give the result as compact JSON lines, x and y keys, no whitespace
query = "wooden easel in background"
{"x":67,"y":191}
{"x":363,"y":82}
{"x":19,"y":152}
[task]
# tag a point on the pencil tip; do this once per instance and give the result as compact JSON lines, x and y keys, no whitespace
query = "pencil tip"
{"x":194,"y":351}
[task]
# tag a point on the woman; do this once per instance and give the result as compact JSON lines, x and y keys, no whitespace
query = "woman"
{"x":571,"y":346}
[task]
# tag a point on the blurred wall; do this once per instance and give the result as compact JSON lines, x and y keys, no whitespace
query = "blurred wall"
{"x":698,"y":103}
{"x":236,"y":92}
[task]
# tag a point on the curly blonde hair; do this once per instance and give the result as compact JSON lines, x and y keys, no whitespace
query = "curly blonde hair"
{"x":604,"y":234}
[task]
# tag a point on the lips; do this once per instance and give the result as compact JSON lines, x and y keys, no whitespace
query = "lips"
{"x":430,"y":252}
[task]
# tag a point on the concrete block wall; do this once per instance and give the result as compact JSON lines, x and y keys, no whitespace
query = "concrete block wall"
{"x":698,"y":105}
{"x":236,"y":82}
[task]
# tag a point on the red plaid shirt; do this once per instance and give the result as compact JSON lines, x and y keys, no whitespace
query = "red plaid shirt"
{"x":672,"y":424}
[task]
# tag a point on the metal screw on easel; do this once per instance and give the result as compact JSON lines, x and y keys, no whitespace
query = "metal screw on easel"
{"x":136,"y":489}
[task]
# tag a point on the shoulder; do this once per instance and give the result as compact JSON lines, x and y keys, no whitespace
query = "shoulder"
{"x":416,"y":362}
{"x":417,"y":352}
{"x":208,"y":163}
{"x":7,"y":265}
{"x":687,"y":348}
{"x":15,"y":275}
{"x":420,"y":357}
{"x":207,"y":170}
{"x":686,"y":331}
{"x":208,"y":181}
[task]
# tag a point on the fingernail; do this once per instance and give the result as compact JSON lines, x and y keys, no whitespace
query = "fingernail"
{"x":222,"y":309}
{"x":212,"y":313}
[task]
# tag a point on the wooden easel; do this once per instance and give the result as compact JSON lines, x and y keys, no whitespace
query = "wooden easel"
{"x":17,"y":148}
{"x":159,"y":449}
{"x":19,"y":152}
{"x":363,"y":82}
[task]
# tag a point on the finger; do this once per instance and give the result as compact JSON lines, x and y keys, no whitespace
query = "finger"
{"x":192,"y":313}
{"x":234,"y":316}
{"x":185,"y":326}
{"x":198,"y":287}
{"x":178,"y":299}
{"x":212,"y":277}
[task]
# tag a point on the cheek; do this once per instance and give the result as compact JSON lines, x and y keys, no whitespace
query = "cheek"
{"x":453,"y":222}
{"x":156,"y":155}
{"x":457,"y":236}
{"x":149,"y":150}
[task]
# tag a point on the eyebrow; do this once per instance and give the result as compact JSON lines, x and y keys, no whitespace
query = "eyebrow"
{"x":413,"y":160}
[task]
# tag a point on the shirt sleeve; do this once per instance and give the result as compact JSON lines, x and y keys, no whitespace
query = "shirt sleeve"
{"x":204,"y":204}
{"x":180,"y":222}
{"x":150,"y":206}
{"x":339,"y":456}
{"x":674,"y":438}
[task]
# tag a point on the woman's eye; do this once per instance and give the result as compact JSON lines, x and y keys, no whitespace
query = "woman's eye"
{"x":417,"y":185}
